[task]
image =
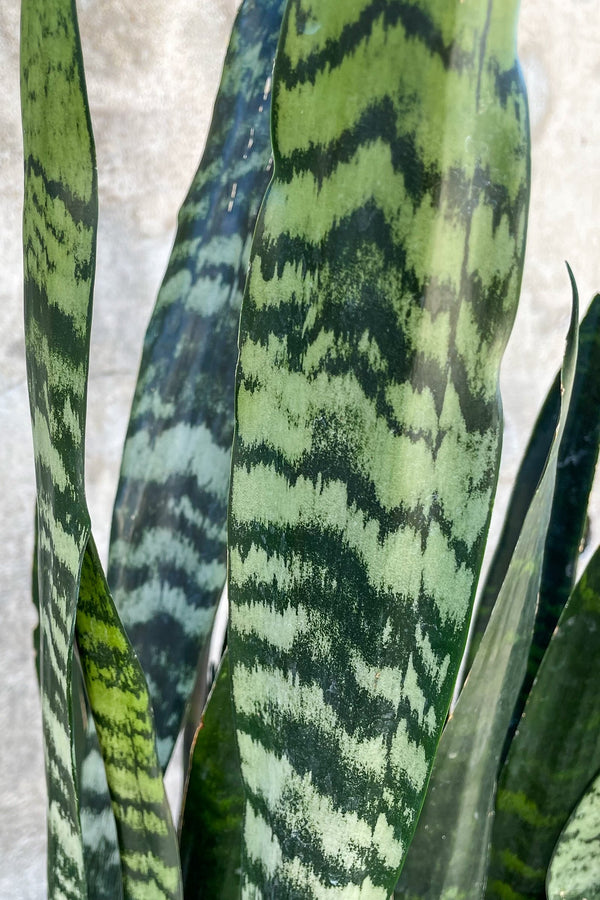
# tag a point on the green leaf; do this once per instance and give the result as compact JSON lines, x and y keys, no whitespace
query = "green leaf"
{"x":383,"y":284}
{"x":556,"y":750}
{"x":59,"y":237}
{"x":121,"y":707}
{"x":575,"y":868}
{"x":448,"y":856}
{"x":167,"y":562}
{"x":577,"y":458}
{"x":98,"y":827}
{"x":526,"y":483}
{"x":211,"y":833}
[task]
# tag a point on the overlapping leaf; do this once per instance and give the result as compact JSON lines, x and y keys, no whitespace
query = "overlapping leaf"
{"x":575,"y":868}
{"x":167,"y":559}
{"x":555,"y":752}
{"x":449,"y":853}
{"x":577,"y":458}
{"x":211,"y":832}
{"x":59,"y":233}
{"x":383,"y":284}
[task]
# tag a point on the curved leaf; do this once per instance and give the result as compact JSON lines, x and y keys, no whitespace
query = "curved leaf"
{"x":211,"y":832}
{"x":59,"y":235}
{"x":449,"y":853}
{"x":167,"y":562}
{"x":555,"y":752}
{"x":59,"y":239}
{"x":575,"y":868}
{"x":383,"y":283}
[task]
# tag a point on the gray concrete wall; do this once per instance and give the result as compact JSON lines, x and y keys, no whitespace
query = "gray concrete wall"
{"x":152,"y":71}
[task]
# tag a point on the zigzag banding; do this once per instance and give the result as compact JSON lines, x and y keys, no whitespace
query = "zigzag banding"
{"x":168,"y":545}
{"x":383,"y":283}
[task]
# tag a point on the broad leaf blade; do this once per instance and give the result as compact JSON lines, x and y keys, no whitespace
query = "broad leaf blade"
{"x":556,"y":750}
{"x":168,"y":545}
{"x":383,"y":283}
{"x":448,"y":856}
{"x":59,"y":237}
{"x":211,"y":833}
{"x":575,"y":868}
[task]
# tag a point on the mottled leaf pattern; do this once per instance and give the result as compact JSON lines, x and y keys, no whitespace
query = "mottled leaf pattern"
{"x":555,"y":752}
{"x":575,"y":869}
{"x":383,"y":284}
{"x":59,"y":234}
{"x":119,"y":700}
{"x":211,"y":832}
{"x":167,"y":561}
{"x":448,"y":857}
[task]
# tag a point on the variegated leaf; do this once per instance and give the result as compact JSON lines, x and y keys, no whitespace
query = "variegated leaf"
{"x":59,"y":236}
{"x":120,"y":704}
{"x":167,"y":560}
{"x":384,"y":279}
{"x":574,"y":872}
{"x":448,"y":857}
{"x":59,"y":233}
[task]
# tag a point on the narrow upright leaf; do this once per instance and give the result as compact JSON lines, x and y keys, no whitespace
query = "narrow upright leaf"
{"x":59,"y":239}
{"x":555,"y":752}
{"x":383,"y":284}
{"x":575,"y":868}
{"x":59,"y":234}
{"x":167,"y":562}
{"x":448,"y":857}
{"x":577,"y":458}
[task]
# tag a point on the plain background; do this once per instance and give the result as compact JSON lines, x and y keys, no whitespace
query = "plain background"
{"x":152,"y":72}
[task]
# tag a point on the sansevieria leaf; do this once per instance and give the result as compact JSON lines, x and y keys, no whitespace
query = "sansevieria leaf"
{"x":448,"y":857}
{"x":577,"y":458}
{"x":167,"y":561}
{"x":59,"y":235}
{"x":383,"y":284}
{"x":555,"y":752}
{"x":59,"y":232}
{"x":574,"y":872}
{"x":211,"y":828}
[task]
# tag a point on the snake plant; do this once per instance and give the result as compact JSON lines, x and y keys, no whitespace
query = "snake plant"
{"x":317,"y":422}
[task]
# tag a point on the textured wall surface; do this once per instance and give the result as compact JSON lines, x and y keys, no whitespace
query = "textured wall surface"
{"x":152,"y":73}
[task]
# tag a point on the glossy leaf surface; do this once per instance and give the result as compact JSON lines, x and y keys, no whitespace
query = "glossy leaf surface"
{"x":211,"y":832}
{"x":167,"y":562}
{"x":447,"y":859}
{"x":383,"y":284}
{"x":555,"y":752}
{"x":575,"y":869}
